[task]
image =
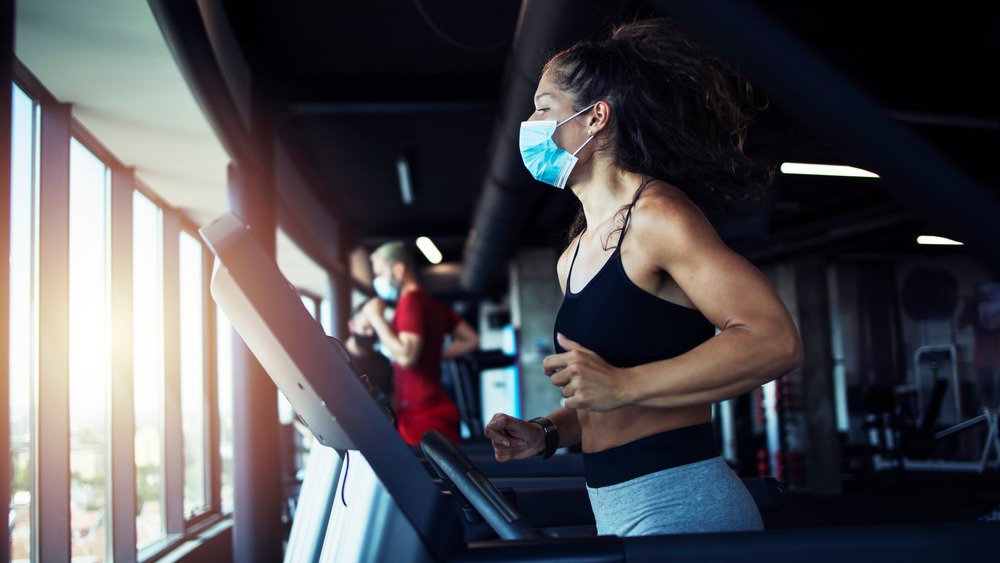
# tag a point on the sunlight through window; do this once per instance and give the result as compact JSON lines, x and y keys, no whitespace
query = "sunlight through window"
{"x":192,"y":375}
{"x":89,"y":352}
{"x":224,"y":355}
{"x":147,"y":314}
{"x":23,"y":314}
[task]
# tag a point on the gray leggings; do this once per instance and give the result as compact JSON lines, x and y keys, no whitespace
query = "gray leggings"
{"x":704,"y":496}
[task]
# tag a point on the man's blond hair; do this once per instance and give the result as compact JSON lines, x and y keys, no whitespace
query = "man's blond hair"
{"x":395,"y":251}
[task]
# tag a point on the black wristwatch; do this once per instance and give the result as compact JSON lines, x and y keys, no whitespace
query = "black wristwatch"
{"x":551,"y":436}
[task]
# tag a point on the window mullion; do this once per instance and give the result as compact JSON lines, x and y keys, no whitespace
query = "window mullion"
{"x":173,"y":435}
{"x":213,"y":424}
{"x":52,"y":416}
{"x":123,"y":481}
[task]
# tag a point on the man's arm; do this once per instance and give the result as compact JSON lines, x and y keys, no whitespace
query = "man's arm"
{"x":404,"y":347}
{"x":352,"y":346}
{"x":464,"y":340}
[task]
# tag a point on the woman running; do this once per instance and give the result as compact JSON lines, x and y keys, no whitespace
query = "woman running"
{"x":656,"y":123}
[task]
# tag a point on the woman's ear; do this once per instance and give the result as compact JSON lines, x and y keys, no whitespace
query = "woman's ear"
{"x":602,"y":113}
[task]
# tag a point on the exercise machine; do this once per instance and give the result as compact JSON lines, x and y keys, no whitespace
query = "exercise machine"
{"x":906,"y":440}
{"x":412,"y":516}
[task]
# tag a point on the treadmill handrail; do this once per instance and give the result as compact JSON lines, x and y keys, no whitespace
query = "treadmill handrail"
{"x":475,"y":487}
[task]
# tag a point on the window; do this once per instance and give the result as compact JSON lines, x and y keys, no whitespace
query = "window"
{"x":326,"y":316}
{"x":311,"y":304}
{"x":166,"y":404}
{"x":147,"y":318}
{"x":89,"y":355}
{"x":24,"y":315}
{"x":224,"y":353}
{"x":192,"y":316}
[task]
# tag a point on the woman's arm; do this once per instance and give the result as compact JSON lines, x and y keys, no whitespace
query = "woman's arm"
{"x":567,"y":425}
{"x":758,"y":341}
{"x":727,"y":365}
{"x":514,"y":438}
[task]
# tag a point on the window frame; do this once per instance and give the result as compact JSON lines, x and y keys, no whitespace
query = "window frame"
{"x":50,"y":424}
{"x":210,"y":447}
{"x":33,"y":312}
{"x":79,"y":134}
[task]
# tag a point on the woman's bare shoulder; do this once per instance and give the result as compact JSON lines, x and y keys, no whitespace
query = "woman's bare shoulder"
{"x":661,"y":197}
{"x":663,"y":205}
{"x":665,"y":218}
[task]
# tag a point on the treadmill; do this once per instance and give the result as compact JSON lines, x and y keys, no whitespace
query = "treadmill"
{"x":445,"y":509}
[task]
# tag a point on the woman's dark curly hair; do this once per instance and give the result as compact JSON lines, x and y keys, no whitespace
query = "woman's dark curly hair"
{"x":679,"y":112}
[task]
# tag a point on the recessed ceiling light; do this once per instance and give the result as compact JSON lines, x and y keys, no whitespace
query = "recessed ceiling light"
{"x":825,"y":170}
{"x":405,"y":185}
{"x":930,"y":239}
{"x":429,"y":249}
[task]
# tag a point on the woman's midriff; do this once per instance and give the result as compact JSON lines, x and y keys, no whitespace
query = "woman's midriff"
{"x":602,"y":430}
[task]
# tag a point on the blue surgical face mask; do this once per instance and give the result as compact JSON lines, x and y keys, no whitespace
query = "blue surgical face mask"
{"x":543,"y":158}
{"x":384,"y":289}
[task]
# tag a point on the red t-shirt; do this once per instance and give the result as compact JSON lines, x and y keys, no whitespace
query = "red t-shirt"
{"x":422,"y":403}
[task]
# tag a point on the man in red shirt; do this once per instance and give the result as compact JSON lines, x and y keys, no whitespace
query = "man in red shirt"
{"x":414,"y":338}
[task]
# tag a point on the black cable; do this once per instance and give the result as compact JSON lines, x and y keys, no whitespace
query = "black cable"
{"x":449,"y":40}
{"x":347,"y":461}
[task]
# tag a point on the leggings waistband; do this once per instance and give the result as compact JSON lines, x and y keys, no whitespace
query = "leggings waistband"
{"x":653,"y":453}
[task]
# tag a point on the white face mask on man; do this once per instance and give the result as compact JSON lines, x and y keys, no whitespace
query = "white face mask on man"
{"x":385,"y":289}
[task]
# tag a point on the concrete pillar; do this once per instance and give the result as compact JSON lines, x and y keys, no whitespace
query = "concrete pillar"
{"x":816,"y":386}
{"x":339,"y":291}
{"x":535,"y":300}
{"x":803,"y":442}
{"x":257,"y":495}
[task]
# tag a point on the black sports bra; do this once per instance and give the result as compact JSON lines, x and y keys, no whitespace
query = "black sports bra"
{"x":623,"y":323}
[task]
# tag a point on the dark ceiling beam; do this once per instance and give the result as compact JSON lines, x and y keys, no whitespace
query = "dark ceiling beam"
{"x":946,"y":120}
{"x":304,"y":217}
{"x":328,"y":202}
{"x":226,"y":47}
{"x":826,"y":101}
{"x":811,"y":236}
{"x":412,"y":228}
{"x":388,"y":107}
{"x":182,"y":26}
{"x":443,"y":241}
{"x":848,"y":235}
{"x":388,"y":88}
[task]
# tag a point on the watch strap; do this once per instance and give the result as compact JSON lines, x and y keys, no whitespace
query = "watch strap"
{"x":551,"y":436}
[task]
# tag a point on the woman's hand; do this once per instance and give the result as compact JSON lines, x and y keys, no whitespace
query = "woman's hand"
{"x":587,"y":381}
{"x":514,"y":438}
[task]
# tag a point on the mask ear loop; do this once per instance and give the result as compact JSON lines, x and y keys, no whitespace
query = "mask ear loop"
{"x":584,"y":144}
{"x":571,"y":117}
{"x":576,"y":114}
